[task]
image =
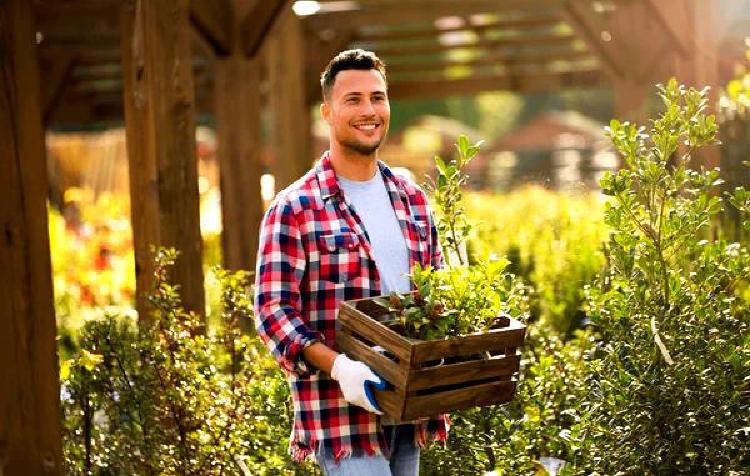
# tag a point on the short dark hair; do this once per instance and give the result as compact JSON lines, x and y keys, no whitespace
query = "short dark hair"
{"x":350,"y":59}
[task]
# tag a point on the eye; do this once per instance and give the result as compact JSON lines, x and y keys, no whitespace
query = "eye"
{"x":352,"y":100}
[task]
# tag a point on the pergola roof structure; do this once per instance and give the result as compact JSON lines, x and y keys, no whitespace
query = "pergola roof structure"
{"x":432,"y":48}
{"x":438,"y":48}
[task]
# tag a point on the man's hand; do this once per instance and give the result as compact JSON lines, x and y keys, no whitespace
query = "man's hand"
{"x":357,"y":382}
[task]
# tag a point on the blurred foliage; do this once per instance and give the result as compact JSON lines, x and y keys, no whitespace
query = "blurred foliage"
{"x":553,"y":241}
{"x":165,"y":398}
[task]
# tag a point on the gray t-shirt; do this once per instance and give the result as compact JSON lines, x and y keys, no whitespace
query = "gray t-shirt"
{"x":373,"y":205}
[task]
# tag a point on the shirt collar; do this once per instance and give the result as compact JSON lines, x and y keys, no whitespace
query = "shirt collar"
{"x":329,"y":184}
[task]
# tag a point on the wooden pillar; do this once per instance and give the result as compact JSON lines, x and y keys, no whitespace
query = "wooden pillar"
{"x":631,"y":100}
{"x":160,"y":127}
{"x":700,"y":68}
{"x":290,"y":134}
{"x":237,"y":109}
{"x":30,"y":436}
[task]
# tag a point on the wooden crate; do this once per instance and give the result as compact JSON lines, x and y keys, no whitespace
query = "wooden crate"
{"x":431,"y":377}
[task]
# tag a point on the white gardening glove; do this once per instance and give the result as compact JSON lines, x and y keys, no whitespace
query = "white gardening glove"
{"x":357,"y":382}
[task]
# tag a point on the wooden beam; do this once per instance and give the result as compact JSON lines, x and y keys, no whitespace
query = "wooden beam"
{"x":30,"y":434}
{"x":403,"y":11}
{"x":395,"y":66}
{"x":674,"y":18}
{"x":321,"y":52}
{"x":542,"y":21}
{"x":160,"y":132}
{"x":588,"y":25}
{"x":57,"y":79}
{"x":436,"y":88}
{"x":213,"y":20}
{"x":258,"y":23}
{"x":511,"y":41}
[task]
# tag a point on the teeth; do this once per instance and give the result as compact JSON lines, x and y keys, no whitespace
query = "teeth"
{"x":367,"y":127}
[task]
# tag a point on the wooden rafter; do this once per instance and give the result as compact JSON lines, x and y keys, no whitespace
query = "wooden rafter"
{"x":213,"y":19}
{"x":398,"y":65}
{"x":586,"y":22}
{"x":675,"y":20}
{"x":56,"y":80}
{"x":320,"y":55}
{"x":536,"y":22}
{"x":402,"y":11}
{"x":421,"y":88}
{"x":514,"y":41}
{"x":258,"y":23}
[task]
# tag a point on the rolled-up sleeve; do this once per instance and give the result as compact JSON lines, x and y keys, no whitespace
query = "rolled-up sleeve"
{"x":280,"y":269}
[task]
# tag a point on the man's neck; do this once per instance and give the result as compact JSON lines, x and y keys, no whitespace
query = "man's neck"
{"x":353,"y":166}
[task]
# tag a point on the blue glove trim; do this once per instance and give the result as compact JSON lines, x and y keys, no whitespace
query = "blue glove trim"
{"x":370,"y":387}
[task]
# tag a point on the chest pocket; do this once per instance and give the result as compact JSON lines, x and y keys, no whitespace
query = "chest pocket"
{"x":339,"y":256}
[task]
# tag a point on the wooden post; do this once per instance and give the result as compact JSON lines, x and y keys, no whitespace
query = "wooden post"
{"x":160,"y":127}
{"x":631,"y":100}
{"x":237,"y":109}
{"x":290,"y":132}
{"x":30,"y":436}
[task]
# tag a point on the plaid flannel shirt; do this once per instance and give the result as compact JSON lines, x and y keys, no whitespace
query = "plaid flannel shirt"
{"x":313,"y":253}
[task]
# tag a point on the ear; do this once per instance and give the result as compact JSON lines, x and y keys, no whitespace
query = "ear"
{"x":325,"y":111}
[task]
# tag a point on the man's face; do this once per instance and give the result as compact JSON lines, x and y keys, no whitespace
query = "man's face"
{"x":357,"y":110}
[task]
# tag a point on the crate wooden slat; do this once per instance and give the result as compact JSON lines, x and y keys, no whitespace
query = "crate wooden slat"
{"x":494,"y":340}
{"x":381,"y":364}
{"x":424,"y":378}
{"x":464,"y":372}
{"x":473,"y":396}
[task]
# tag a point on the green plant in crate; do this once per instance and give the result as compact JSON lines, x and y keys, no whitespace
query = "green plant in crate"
{"x":452,"y":224}
{"x":458,"y":299}
{"x":669,"y":379}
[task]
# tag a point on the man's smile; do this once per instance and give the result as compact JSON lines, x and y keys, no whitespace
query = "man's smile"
{"x":366,"y":126}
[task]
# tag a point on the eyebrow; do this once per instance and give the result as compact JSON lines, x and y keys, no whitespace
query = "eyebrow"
{"x":359,"y":93}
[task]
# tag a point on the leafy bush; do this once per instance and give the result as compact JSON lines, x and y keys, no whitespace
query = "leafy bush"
{"x":669,"y":381}
{"x":166,"y":398}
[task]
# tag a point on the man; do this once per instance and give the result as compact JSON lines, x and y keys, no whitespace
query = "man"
{"x":348,"y":229}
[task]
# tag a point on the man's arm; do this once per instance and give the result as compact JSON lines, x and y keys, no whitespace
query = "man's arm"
{"x":281,"y":266}
{"x":320,"y":356}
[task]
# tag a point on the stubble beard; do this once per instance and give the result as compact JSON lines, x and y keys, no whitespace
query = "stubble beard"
{"x":361,"y":148}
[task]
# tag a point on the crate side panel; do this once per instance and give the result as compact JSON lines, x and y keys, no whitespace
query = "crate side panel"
{"x":492,"y":341}
{"x":474,"y":396}
{"x":359,"y":323}
{"x":503,"y":368}
{"x":391,"y":371}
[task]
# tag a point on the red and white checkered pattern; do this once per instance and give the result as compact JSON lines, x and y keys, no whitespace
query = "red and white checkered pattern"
{"x":314,"y":252}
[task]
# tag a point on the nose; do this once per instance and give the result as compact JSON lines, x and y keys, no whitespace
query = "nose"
{"x":367,"y":108}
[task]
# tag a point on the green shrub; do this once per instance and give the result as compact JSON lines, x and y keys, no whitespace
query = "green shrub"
{"x":669,"y":380}
{"x":166,"y":398}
